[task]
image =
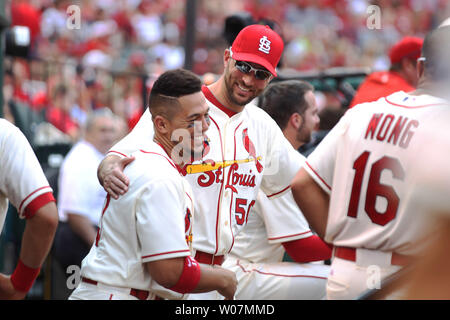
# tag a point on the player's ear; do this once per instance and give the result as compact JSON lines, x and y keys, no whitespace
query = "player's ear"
{"x":226,"y":57}
{"x":420,"y":68}
{"x":161,"y":124}
{"x":296,"y":120}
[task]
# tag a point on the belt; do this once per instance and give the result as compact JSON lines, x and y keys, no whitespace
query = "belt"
{"x":208,"y":258}
{"x":347,"y":253}
{"x":140,"y":294}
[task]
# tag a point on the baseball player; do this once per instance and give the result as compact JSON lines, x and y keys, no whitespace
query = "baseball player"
{"x":23,"y":182}
{"x":357,"y":187}
{"x":247,"y":150}
{"x":428,"y":278}
{"x":276,"y":226}
{"x":143,"y":246}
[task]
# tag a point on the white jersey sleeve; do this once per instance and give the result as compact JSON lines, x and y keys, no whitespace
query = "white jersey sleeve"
{"x":159,"y":221}
{"x":270,"y":223}
{"x":22,"y":180}
{"x":320,"y":164}
{"x":138,"y":138}
{"x":283,"y":219}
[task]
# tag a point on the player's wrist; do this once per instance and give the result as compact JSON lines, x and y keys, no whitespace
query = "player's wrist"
{"x":225,"y":281}
{"x":24,"y":276}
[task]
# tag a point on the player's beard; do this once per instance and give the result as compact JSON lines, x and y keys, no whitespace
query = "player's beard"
{"x":304,"y":136}
{"x":230,"y":92}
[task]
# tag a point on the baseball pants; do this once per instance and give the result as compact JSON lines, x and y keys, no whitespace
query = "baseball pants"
{"x":279,"y":281}
{"x":350,"y":279}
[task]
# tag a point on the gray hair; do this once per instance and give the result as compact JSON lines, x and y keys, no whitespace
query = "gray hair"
{"x":96,"y":114}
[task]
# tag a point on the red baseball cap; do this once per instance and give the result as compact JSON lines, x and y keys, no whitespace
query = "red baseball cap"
{"x":258,"y":44}
{"x":408,"y":47}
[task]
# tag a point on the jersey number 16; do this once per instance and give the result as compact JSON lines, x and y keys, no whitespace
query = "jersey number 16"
{"x":375,"y":188}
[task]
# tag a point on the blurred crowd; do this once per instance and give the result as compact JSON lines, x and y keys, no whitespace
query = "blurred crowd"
{"x":121,"y":46}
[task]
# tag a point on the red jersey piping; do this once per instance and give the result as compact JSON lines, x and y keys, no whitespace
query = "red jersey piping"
{"x":318,"y":175}
{"x":209,"y":95}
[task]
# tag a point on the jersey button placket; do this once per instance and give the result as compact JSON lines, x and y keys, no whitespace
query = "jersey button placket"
{"x":227,"y":194}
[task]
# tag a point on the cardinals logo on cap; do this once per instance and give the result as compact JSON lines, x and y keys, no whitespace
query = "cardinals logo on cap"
{"x":260,"y":45}
{"x":264,"y":45}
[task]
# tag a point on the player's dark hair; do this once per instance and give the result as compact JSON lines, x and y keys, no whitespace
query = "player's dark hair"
{"x":281,"y":99}
{"x":436,"y":50}
{"x":170,"y":86}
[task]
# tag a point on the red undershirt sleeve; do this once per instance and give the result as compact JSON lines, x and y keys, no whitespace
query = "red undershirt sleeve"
{"x":308,"y":249}
{"x":37,"y":203}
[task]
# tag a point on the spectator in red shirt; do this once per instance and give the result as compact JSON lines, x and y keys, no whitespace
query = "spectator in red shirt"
{"x":401,"y":76}
{"x":59,"y":113}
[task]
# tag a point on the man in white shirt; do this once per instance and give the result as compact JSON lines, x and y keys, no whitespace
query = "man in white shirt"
{"x":80,"y":196}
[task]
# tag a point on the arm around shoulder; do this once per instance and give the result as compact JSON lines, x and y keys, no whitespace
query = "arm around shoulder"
{"x":110,"y":174}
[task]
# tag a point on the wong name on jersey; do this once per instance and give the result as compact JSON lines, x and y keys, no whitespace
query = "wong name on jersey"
{"x":381,"y":127}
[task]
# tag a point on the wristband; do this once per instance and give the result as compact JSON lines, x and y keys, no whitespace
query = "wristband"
{"x":189,"y":278}
{"x":23,"y":277}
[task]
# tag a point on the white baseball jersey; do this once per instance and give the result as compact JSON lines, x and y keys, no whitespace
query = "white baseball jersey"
{"x":152,"y":221}
{"x":22,"y":180}
{"x":247,"y":151}
{"x":366,"y":162}
{"x":270,"y":223}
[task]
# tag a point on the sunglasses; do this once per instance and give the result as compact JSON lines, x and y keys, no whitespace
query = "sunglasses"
{"x":260,"y":74}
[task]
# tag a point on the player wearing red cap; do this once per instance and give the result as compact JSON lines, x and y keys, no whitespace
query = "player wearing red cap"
{"x":401,"y":76}
{"x":247,"y":151}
